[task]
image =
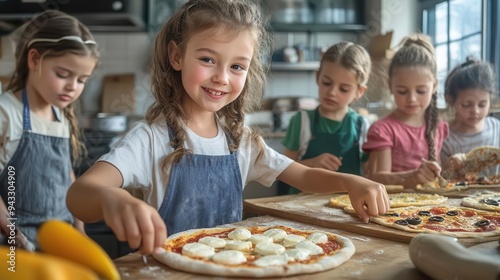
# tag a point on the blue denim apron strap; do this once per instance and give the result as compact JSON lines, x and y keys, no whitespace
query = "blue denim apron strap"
{"x":26,"y":112}
{"x":203,"y":191}
{"x":42,"y":177}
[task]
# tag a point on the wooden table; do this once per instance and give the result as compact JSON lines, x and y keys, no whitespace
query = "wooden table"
{"x":379,"y":255}
{"x":375,"y":258}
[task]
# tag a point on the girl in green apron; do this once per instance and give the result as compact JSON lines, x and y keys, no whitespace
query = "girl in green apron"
{"x":330,"y":136}
{"x":55,"y":55}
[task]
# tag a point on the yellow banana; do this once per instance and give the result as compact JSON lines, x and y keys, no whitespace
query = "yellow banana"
{"x":20,"y":264}
{"x":61,"y":239}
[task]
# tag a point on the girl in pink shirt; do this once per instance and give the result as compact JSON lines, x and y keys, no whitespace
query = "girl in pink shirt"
{"x":404,"y":146}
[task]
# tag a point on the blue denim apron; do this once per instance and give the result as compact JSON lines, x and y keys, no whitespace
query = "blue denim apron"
{"x":42,"y":178}
{"x":203,"y":191}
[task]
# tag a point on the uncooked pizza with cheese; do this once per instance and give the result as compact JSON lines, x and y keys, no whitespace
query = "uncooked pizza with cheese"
{"x":469,"y":181}
{"x":255,"y":251}
{"x":440,"y":219}
{"x":396,"y":200}
{"x":470,"y":175}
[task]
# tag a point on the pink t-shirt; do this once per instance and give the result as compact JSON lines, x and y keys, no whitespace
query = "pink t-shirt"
{"x":407,"y":143}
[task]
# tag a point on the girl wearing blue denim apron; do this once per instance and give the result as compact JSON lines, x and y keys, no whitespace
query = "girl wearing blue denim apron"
{"x":55,"y":54}
{"x":191,"y":157}
{"x":42,"y":177}
{"x":197,"y":184}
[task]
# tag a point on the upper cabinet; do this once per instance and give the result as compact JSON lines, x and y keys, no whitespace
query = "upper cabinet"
{"x":310,"y":17}
{"x":315,"y":15}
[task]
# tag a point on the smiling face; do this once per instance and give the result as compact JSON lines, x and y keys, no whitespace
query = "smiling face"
{"x":57,"y":81}
{"x":214,"y":68}
{"x":471,"y":107}
{"x":338,"y":88}
{"x":412,"y":88}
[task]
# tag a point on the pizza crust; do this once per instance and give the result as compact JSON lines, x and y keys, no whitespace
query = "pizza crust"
{"x":475,"y":161}
{"x":180,"y":262}
{"x":474,"y":201}
{"x":396,"y":200}
{"x":434,"y":187}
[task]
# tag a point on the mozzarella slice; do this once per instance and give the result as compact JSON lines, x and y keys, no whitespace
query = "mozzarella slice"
{"x":309,"y":246}
{"x":271,"y":260}
{"x":268,"y":248}
{"x":318,"y":237}
{"x":229,"y":257}
{"x":240,"y":234}
{"x":238,"y":245}
{"x":258,"y":238}
{"x":292,"y":239}
{"x":211,"y":241}
{"x":198,"y":250}
{"x":276,"y":234}
{"x":297,"y":254}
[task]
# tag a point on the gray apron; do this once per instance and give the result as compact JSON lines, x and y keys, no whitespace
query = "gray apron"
{"x":203,"y":191}
{"x":42,"y":177}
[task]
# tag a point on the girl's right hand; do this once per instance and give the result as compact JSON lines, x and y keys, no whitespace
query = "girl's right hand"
{"x":368,"y":198}
{"x":326,"y":161}
{"x":133,"y":220}
{"x":426,"y":172}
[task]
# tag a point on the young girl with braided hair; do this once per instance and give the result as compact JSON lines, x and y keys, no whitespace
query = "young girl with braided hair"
{"x":404,"y":146}
{"x":192,"y":156}
{"x":468,"y":90}
{"x":55,"y":54}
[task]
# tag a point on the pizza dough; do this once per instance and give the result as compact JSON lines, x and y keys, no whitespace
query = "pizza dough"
{"x":475,"y":161}
{"x":441,"y":219}
{"x":468,"y":182}
{"x":396,"y":199}
{"x":267,"y":258}
{"x":485,"y":200}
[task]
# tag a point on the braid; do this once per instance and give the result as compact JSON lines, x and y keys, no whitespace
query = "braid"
{"x":77,"y":146}
{"x":177,"y":142}
{"x":431,"y":120}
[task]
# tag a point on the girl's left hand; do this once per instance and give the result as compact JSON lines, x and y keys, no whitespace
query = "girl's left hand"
{"x":457,"y":160}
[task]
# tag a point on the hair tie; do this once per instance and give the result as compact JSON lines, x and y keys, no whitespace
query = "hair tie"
{"x":70,"y":38}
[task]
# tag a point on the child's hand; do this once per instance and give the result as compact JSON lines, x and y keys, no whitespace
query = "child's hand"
{"x":367,"y":197}
{"x":134,"y":221}
{"x":457,"y":161}
{"x":326,"y":161}
{"x":426,"y":172}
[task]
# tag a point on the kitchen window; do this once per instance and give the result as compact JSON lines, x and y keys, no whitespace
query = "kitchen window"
{"x":458,"y":30}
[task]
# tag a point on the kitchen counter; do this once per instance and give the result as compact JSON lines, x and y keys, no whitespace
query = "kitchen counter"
{"x":375,"y":258}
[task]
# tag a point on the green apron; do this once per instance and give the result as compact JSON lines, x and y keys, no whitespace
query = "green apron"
{"x":344,"y":143}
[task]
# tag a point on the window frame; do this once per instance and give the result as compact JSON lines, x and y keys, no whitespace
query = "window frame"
{"x":490,"y":10}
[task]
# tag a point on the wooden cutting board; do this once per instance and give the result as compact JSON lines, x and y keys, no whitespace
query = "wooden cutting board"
{"x":313,"y":209}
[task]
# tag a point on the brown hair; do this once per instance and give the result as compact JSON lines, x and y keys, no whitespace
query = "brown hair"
{"x":417,"y":51}
{"x":472,"y":74}
{"x":233,"y":16}
{"x":53,"y":24}
{"x":351,"y":56}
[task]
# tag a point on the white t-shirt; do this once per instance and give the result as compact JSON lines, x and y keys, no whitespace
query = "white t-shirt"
{"x":462,"y":143}
{"x":11,"y":126}
{"x":138,"y":155}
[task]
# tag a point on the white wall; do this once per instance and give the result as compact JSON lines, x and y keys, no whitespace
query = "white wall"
{"x":121,"y":53}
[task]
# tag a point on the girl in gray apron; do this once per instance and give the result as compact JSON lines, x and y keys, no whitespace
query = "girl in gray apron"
{"x":197,"y":184}
{"x":42,"y":177}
